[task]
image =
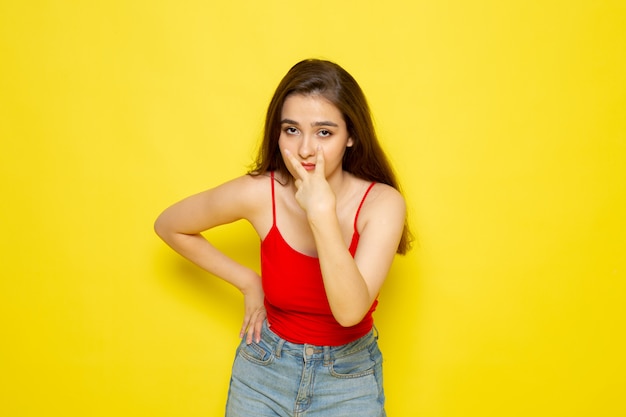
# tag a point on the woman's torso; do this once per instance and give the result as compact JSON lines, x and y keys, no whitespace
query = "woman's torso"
{"x":296,"y":303}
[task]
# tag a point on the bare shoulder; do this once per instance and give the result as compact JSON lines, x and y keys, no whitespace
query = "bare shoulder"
{"x":385,"y":196}
{"x":250,"y":197}
{"x":383,"y":205}
{"x":380,"y":224}
{"x":249,"y":183}
{"x":241,"y":194}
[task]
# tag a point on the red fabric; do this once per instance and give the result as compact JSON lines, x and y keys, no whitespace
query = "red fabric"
{"x":295,"y":298}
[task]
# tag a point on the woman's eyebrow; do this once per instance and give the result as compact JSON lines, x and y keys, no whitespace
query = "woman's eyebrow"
{"x":321,"y":123}
{"x":325,"y":123}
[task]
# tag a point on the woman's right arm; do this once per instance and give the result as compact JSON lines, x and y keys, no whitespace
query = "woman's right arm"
{"x":181,"y":225}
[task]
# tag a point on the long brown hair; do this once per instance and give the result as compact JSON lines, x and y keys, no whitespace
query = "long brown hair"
{"x":365,"y":159}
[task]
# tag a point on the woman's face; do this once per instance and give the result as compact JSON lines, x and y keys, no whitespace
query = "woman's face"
{"x":309,"y":121}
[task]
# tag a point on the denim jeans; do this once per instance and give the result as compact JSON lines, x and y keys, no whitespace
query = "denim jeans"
{"x":278,"y":378}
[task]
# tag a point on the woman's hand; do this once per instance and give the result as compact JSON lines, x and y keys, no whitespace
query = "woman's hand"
{"x":254,"y":315}
{"x":313,"y":193}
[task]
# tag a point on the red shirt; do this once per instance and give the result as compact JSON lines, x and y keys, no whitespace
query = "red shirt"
{"x":295,"y":298}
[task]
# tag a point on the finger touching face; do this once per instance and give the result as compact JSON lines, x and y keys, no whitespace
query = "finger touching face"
{"x":293,"y":164}
{"x":320,"y":164}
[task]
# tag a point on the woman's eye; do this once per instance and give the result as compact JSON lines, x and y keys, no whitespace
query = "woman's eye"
{"x":325,"y":133}
{"x":291,"y":130}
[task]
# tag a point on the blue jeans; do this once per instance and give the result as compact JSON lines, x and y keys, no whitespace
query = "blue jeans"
{"x":278,"y":378}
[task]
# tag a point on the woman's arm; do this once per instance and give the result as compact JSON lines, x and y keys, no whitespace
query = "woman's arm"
{"x":351,"y":284}
{"x":181,"y":225}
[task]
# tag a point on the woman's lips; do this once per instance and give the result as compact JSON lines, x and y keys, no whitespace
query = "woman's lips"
{"x":308,"y":167}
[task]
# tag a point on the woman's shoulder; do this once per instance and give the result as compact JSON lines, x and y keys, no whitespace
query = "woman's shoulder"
{"x":248,"y":183}
{"x":246,"y":186}
{"x":382,"y":217}
{"x":242,"y":192}
{"x":243,"y":197}
{"x":383,"y":199}
{"x":380,"y":191}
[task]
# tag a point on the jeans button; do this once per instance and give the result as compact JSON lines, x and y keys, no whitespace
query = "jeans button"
{"x":309,"y":351}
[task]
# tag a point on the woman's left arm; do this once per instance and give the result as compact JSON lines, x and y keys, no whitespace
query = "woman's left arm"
{"x":351,"y":284}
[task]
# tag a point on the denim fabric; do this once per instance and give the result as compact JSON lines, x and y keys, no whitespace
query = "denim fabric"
{"x":278,"y":378}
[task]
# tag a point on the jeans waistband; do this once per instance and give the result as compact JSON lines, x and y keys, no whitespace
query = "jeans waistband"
{"x":312,"y":352}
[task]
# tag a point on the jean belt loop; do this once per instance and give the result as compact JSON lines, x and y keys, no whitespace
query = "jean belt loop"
{"x":279,"y":347}
{"x":326,"y":355}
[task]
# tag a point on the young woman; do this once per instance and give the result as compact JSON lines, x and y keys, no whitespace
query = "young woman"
{"x":325,"y":203}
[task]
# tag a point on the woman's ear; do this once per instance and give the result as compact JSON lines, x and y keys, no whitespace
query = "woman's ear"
{"x":350,"y":142}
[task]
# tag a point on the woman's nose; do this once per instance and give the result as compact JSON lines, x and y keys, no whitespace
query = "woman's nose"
{"x":307,"y":147}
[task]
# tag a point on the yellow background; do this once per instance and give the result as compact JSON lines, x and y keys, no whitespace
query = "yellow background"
{"x":504,"y":119}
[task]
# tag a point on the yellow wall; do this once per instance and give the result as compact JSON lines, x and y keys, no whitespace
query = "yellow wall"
{"x":504,"y":118}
